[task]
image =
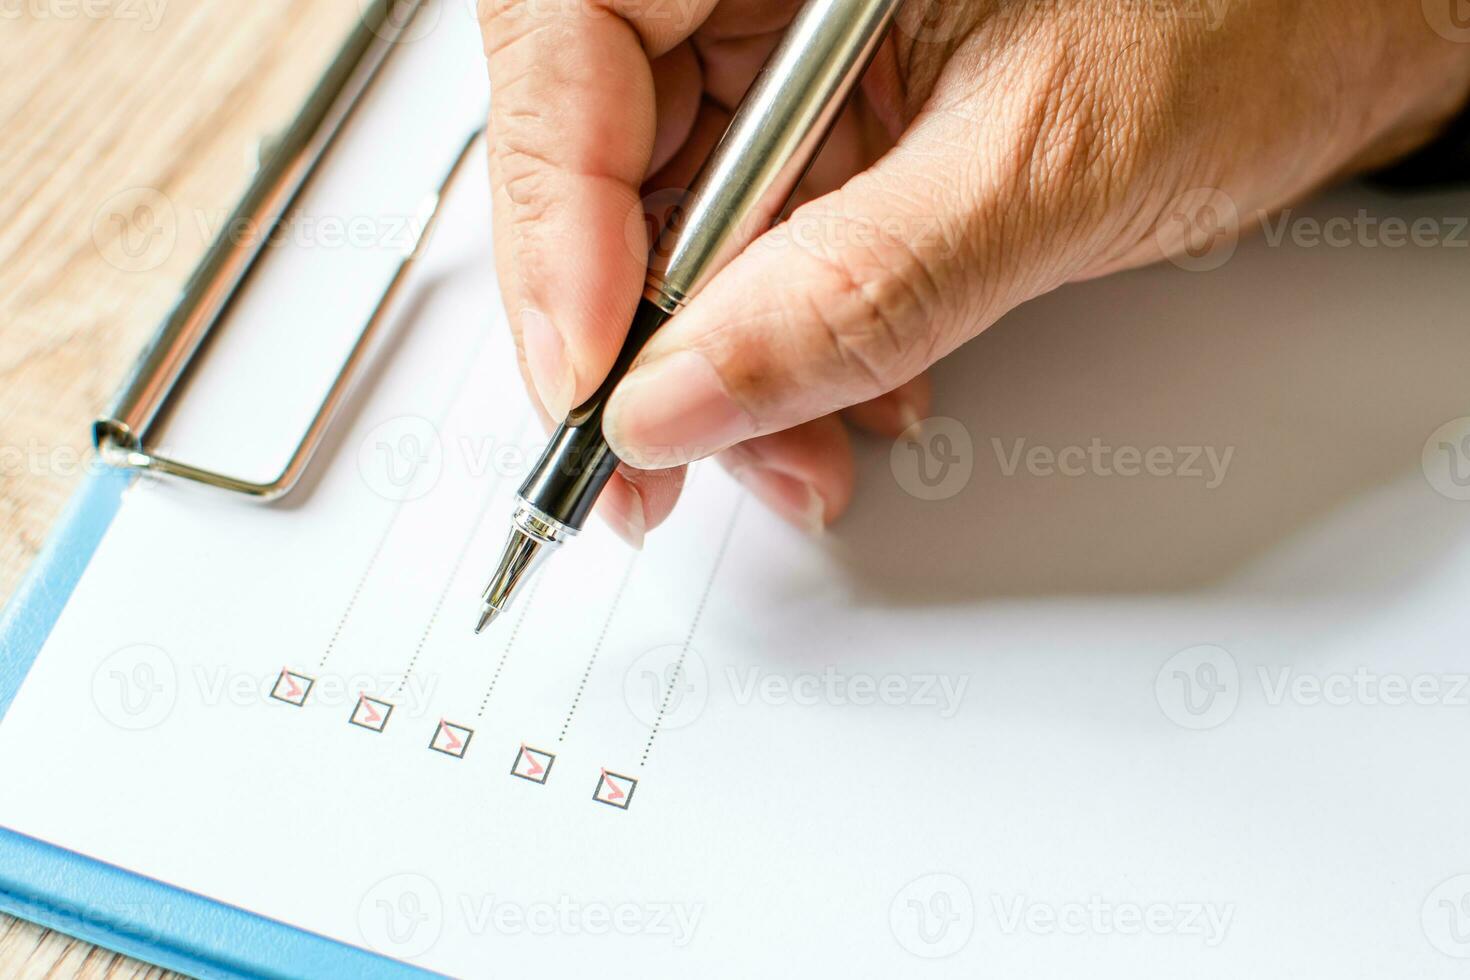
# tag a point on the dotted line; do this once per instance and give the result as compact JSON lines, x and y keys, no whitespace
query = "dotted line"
{"x":361,"y":583}
{"x":689,"y":638}
{"x":443,"y":594}
{"x":597,"y":647}
{"x":455,"y":392}
{"x":454,"y":573}
{"x":510,"y":643}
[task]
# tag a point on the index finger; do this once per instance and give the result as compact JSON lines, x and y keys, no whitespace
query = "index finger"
{"x":572,"y":126}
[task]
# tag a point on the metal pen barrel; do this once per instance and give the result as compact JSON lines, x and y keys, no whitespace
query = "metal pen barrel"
{"x":780,"y":126}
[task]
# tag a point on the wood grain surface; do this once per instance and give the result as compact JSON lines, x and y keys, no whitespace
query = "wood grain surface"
{"x":128,"y":128}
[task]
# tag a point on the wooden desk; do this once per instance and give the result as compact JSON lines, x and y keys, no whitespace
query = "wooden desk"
{"x":106,"y":105}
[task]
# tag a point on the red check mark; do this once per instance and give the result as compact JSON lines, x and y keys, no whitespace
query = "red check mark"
{"x":454,"y":744}
{"x":536,"y":768}
{"x":372,"y":716}
{"x":613,"y":793}
{"x":292,"y":691}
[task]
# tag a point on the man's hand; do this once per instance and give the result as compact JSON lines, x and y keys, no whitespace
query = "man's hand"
{"x":998,"y":149}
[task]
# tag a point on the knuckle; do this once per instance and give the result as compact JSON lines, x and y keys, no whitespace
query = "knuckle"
{"x":506,"y":26}
{"x":525,"y":171}
{"x":526,"y":181}
{"x":870,"y":306}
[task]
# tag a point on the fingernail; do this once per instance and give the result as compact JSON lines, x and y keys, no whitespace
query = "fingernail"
{"x":909,"y":418}
{"x":673,"y":411}
{"x":795,"y":501}
{"x":625,"y":516}
{"x":546,"y":358}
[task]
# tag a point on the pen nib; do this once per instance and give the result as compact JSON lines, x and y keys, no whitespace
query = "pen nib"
{"x":487,"y":616}
{"x":533,"y":536}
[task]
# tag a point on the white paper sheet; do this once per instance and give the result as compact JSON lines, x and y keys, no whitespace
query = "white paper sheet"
{"x":1050,"y":725}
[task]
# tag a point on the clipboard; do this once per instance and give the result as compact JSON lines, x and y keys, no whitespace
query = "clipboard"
{"x":89,"y":899}
{"x":106,"y":905}
{"x":1108,"y":705}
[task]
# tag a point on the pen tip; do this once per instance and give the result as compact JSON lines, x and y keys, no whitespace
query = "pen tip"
{"x":487,"y":616}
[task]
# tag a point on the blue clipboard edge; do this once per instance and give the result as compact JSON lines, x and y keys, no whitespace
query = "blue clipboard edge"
{"x":106,"y":905}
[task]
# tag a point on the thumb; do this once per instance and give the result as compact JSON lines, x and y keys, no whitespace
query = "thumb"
{"x":854,"y":295}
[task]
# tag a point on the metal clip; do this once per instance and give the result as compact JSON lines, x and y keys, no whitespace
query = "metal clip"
{"x":120,"y":435}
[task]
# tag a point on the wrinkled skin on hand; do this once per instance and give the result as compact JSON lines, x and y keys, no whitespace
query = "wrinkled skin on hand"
{"x":996,"y":150}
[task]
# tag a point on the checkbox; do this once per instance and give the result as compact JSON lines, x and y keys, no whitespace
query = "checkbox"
{"x":533,"y":764}
{"x":292,"y":687}
{"x":615,"y":789}
{"x":451,"y":739}
{"x":371,"y":713}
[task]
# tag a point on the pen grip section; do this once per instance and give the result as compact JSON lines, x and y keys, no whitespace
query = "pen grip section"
{"x":578,"y":462}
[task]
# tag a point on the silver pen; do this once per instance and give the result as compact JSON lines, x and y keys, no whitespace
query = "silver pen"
{"x":741,"y":190}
